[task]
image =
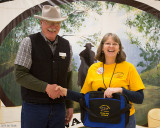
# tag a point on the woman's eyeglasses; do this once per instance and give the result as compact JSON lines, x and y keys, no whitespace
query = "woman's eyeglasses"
{"x":109,"y":44}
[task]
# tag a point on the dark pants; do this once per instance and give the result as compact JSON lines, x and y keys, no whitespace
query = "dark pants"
{"x":132,"y":122}
{"x":43,"y":115}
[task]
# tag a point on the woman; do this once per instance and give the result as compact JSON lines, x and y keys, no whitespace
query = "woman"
{"x":114,"y":74}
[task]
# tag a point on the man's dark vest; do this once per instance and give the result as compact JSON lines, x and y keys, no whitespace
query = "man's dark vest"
{"x":47,"y":67}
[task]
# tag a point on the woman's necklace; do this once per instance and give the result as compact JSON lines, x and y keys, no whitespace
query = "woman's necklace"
{"x":111,"y":76}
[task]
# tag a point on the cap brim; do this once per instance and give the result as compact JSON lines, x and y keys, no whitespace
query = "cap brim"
{"x":52,"y":19}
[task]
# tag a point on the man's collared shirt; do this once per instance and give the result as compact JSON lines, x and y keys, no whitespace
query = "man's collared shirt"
{"x":24,"y":57}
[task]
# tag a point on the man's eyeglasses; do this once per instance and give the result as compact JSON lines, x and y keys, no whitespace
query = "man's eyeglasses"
{"x":52,"y":23}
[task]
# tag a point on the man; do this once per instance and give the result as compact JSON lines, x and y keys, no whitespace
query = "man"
{"x":87,"y":59}
{"x":43,"y":62}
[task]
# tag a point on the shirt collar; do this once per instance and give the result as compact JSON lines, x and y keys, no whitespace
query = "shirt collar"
{"x":55,"y":42}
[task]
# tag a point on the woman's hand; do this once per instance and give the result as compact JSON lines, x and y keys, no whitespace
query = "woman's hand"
{"x":63,"y":90}
{"x":109,"y":91}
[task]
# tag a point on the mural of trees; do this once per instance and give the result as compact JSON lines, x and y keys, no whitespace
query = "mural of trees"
{"x":148,"y":27}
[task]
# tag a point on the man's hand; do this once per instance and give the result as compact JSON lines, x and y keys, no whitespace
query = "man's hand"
{"x":69,"y":111}
{"x":69,"y":115}
{"x":53,"y":92}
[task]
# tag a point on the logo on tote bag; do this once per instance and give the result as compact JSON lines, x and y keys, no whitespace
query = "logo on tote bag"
{"x":104,"y":110}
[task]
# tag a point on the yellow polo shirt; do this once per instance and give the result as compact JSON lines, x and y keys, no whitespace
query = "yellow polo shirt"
{"x":125,"y":75}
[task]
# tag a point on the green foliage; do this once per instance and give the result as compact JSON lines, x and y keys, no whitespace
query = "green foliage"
{"x":127,"y":8}
{"x":76,"y":88}
{"x":74,"y":65}
{"x":9,"y":47}
{"x":94,"y":6}
{"x":77,"y":12}
{"x":151,"y":58}
{"x":110,"y":4}
{"x":8,"y":52}
{"x":27,"y":27}
{"x":151,"y":100}
{"x":93,"y":39}
{"x":148,"y":26}
{"x":11,"y":89}
{"x":152,"y":76}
